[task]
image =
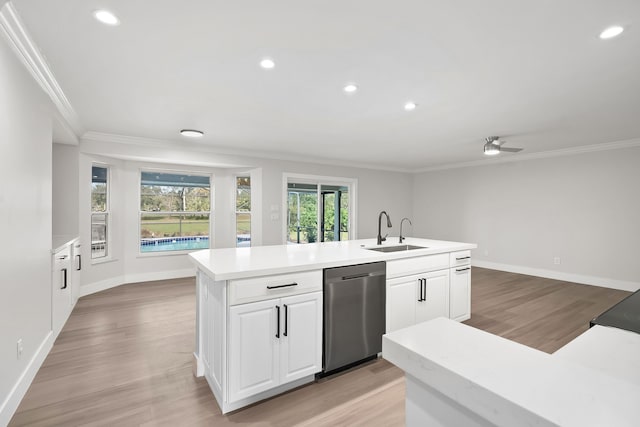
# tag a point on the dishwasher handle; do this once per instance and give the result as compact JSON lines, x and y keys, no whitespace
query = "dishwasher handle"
{"x":357,"y":276}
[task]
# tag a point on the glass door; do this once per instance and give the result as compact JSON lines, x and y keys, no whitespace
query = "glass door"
{"x":317,"y":212}
{"x":334,"y":213}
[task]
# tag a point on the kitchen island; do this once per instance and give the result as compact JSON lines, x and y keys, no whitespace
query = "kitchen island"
{"x":458,"y":375}
{"x":259,"y":310}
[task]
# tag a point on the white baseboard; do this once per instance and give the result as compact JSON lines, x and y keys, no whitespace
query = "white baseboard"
{"x":18,"y":391}
{"x":102,"y":285}
{"x":112,"y":282}
{"x":558,"y":275}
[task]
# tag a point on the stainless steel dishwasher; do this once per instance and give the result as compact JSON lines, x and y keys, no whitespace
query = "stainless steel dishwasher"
{"x":354,"y":314}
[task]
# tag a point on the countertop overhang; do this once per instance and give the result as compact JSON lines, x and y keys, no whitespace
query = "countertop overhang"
{"x":511,"y":384}
{"x":238,"y":263}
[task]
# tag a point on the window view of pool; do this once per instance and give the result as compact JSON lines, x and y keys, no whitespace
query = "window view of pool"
{"x":174,"y":244}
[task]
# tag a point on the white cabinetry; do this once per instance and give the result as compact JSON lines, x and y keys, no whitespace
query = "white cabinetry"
{"x":274,"y":342}
{"x":417,"y":298}
{"x":252,"y":350}
{"x":460,"y":286}
{"x":61,"y":290}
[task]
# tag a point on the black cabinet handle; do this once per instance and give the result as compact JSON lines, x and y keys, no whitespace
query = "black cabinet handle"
{"x":64,"y":278}
{"x":464,"y":257}
{"x":458,"y":270}
{"x":421,"y":289}
{"x":282,"y":286}
{"x":286,"y":319}
{"x":424,"y":285}
{"x":278,"y":321}
{"x":79,"y":262}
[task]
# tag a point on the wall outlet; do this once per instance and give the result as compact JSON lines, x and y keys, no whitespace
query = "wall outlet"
{"x":556,"y":260}
{"x":19,"y":348}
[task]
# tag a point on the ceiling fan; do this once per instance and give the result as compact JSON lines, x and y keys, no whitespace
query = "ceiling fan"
{"x":494,"y":146}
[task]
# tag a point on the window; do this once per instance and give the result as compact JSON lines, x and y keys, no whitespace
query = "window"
{"x":318,"y":211}
{"x":99,"y":212}
{"x":175,"y":211}
{"x":243,"y":211}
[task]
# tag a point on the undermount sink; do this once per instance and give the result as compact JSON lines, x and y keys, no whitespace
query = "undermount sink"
{"x":398,"y":248}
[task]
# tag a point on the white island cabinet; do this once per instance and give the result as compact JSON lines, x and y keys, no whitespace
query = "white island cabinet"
{"x":259,"y":310}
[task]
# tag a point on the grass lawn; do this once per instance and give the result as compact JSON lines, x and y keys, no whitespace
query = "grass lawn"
{"x":171,"y":227}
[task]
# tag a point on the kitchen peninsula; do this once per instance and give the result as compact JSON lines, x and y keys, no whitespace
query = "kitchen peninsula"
{"x":259,"y":310}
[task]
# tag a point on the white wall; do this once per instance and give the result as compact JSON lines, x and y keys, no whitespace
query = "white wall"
{"x":25,"y":215}
{"x":65,"y":190}
{"x":582,"y":208}
{"x":377,"y":191}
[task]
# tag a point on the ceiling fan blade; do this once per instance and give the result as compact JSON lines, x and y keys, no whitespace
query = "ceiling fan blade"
{"x":510,"y":150}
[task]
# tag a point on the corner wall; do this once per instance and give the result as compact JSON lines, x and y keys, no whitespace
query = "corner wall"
{"x":25,"y":215}
{"x":582,"y":209}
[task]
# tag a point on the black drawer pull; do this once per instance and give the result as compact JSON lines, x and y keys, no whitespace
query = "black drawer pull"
{"x":64,"y":278}
{"x":278,"y":321}
{"x":462,"y":269}
{"x":464,"y":257}
{"x":282,"y":286}
{"x":286,"y":320}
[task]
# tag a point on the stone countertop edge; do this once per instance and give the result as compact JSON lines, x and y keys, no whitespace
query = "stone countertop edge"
{"x":508,"y":383}
{"x":240,"y":263}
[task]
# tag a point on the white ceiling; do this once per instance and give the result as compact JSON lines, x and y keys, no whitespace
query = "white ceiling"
{"x":534,"y":72}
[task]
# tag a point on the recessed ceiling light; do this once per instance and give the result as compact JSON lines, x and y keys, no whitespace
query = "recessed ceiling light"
{"x":350,"y":88}
{"x":267,"y":64}
{"x":410,"y":106}
{"x":611,"y":32}
{"x":106,"y":17}
{"x":192,"y":133}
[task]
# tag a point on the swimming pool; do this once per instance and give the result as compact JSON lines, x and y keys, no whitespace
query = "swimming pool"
{"x":174,"y":244}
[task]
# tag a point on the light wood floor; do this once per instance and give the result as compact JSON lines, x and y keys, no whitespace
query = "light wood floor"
{"x":124,"y":358}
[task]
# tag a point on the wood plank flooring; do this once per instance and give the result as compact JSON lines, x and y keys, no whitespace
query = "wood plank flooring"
{"x":125,"y":358}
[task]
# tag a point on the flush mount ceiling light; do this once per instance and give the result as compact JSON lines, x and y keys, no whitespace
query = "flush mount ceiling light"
{"x":410,"y":106}
{"x":192,"y":133}
{"x":267,"y":64}
{"x":350,"y":88}
{"x":106,"y":17}
{"x":611,"y":32}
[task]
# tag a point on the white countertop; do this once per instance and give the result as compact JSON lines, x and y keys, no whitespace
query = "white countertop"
{"x":511,"y":384}
{"x":60,"y":241}
{"x":236,"y":263}
{"x":612,"y":351}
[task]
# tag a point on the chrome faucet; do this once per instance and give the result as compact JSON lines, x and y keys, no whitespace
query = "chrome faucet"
{"x":380,"y":238}
{"x":401,"y":237}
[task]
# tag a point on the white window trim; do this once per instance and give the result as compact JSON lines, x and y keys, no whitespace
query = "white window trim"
{"x":352,"y":183}
{"x":141,"y":254}
{"x":235,"y":207}
{"x":109,"y":257}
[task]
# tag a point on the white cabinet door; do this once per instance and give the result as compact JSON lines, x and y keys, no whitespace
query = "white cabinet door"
{"x":460,"y":293}
{"x":435,"y":295}
{"x":75,"y":275}
{"x":61,"y":291}
{"x":253,"y":358}
{"x":301,"y":338}
{"x":402,"y":297}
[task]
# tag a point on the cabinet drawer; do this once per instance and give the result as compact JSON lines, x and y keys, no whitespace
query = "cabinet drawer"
{"x":460,"y":258}
{"x":264,"y":287}
{"x":408,"y":266}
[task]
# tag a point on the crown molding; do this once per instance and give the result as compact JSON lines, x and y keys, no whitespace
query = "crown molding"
{"x":92,"y":136}
{"x":616,"y":145}
{"x":15,"y":32}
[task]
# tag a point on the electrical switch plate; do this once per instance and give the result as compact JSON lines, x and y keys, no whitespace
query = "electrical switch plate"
{"x":556,"y":260}
{"x":19,"y":348}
